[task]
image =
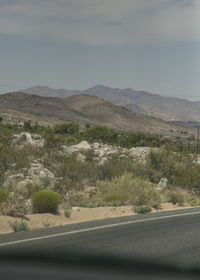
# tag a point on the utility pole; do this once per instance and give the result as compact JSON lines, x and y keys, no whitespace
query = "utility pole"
{"x":189,"y":143}
{"x":198,"y":142}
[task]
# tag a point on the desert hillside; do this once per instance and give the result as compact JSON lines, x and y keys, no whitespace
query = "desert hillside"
{"x":85,"y":109}
{"x":166,"y":108}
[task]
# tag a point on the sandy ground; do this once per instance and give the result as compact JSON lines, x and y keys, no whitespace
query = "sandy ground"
{"x":77,"y":215}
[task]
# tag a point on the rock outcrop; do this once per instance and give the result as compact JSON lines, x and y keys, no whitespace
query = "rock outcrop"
{"x":25,"y":137}
{"x":103,"y":151}
{"x":36,"y":175}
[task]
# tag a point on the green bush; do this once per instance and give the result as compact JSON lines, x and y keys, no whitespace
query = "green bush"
{"x":116,"y":167}
{"x":67,"y":187}
{"x":134,"y":190}
{"x":178,"y":167}
{"x":78,"y":200}
{"x":194,"y":200}
{"x":115,"y":199}
{"x":45,"y":201}
{"x":66,"y":128}
{"x":3,"y":195}
{"x":175,"y":197}
{"x":70,"y":168}
{"x":17,"y":226}
{"x":129,"y":140}
{"x":101,"y":133}
{"x":142,"y":209}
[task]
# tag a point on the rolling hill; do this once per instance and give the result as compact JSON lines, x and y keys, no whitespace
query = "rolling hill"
{"x":166,"y":108}
{"x":83,"y":109}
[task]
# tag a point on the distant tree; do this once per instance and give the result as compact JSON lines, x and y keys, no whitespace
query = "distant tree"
{"x":101,"y":133}
{"x":27,"y":126}
{"x":1,"y":118}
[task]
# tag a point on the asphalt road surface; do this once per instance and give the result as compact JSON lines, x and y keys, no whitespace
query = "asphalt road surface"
{"x":165,"y":237}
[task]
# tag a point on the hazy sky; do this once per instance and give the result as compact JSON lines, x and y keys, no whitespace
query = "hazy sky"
{"x":151,"y":45}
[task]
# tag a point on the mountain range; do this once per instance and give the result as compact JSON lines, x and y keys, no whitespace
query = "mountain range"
{"x":166,"y":108}
{"x":84,"y":109}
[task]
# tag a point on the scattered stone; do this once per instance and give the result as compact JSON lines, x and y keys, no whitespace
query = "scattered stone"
{"x":76,"y":208}
{"x":163,"y":184}
{"x":83,"y":145}
{"x":140,"y":152}
{"x":25,"y":137}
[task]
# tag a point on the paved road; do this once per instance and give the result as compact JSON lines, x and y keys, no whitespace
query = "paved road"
{"x":162,"y":237}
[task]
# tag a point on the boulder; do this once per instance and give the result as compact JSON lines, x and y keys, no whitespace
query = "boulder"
{"x":68,"y":150}
{"x":140,"y":152}
{"x":37,"y":170}
{"x":83,"y":145}
{"x":25,"y":137}
{"x":163,"y":184}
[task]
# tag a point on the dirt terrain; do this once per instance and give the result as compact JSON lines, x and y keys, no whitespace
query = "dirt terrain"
{"x":78,"y":215}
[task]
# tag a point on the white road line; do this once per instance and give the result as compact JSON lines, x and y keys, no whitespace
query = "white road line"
{"x":94,"y":228}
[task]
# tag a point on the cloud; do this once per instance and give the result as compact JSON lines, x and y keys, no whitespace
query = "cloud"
{"x":102,"y":22}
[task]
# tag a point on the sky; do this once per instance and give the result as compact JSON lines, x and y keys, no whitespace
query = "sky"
{"x":148,"y":45}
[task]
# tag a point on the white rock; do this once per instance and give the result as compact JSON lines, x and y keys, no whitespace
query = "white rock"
{"x":83,"y":145}
{"x":25,"y":137}
{"x":96,"y":145}
{"x":163,"y":184}
{"x":76,"y":208}
{"x":68,"y":149}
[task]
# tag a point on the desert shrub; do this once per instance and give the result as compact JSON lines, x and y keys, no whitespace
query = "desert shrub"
{"x":67,"y":187}
{"x":90,"y":156}
{"x":48,"y":224}
{"x":85,"y":201}
{"x":22,"y":157}
{"x":14,"y":206}
{"x":101,"y":133}
{"x":78,"y":200}
{"x":175,"y":197}
{"x":30,"y":189}
{"x":142,"y":209}
{"x":45,"y":201}
{"x":71,"y":168}
{"x":115,"y":199}
{"x":178,"y":167}
{"x":194,"y":200}
{"x":116,"y":167}
{"x":66,"y":128}
{"x":3,"y":195}
{"x":17,"y":226}
{"x":129,"y":140}
{"x":67,"y":212}
{"x":53,"y":141}
{"x":134,"y":190}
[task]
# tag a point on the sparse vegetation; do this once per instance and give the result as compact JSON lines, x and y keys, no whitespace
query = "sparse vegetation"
{"x":175,"y":197}
{"x":14,"y":206}
{"x":194,"y":200}
{"x":3,"y":195}
{"x":17,"y":226}
{"x":115,"y":199}
{"x":142,"y":209}
{"x":132,"y":190}
{"x":120,"y":180}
